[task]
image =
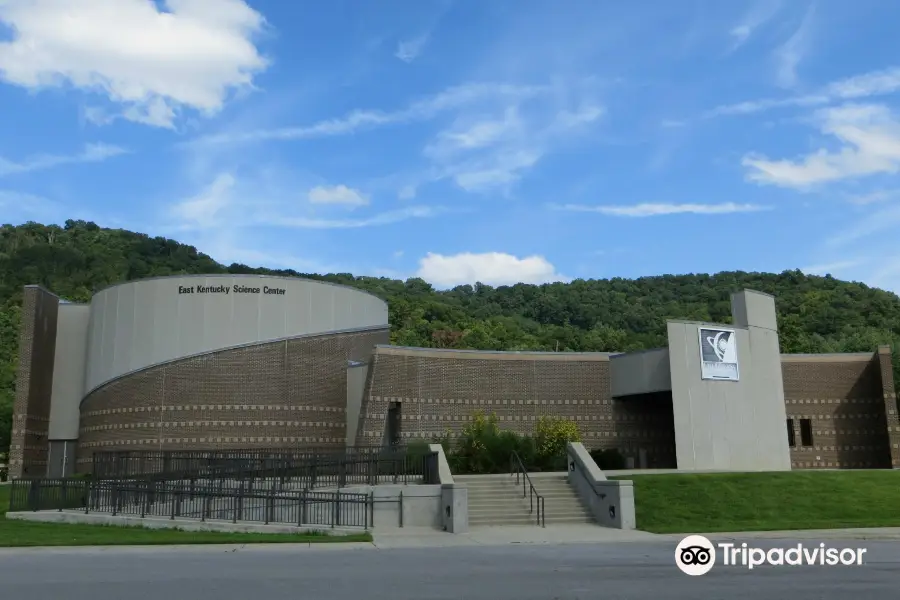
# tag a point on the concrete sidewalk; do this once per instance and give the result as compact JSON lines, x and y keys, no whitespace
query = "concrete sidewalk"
{"x":510,"y":534}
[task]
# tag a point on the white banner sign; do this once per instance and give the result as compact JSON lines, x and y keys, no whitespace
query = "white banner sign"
{"x":718,"y":354}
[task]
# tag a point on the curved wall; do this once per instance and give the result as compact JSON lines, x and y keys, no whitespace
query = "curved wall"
{"x":278,"y":394}
{"x":144,"y":323}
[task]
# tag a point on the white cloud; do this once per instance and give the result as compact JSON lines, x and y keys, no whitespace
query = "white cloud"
{"x":29,"y":206}
{"x":498,"y":170}
{"x":874,"y":197}
{"x":338,"y":194}
{"x":870,"y":145}
{"x":831,"y":268}
{"x":481,"y":154}
{"x":886,"y":219}
{"x":232,"y":203}
{"x":91,"y":153}
{"x":409,"y":50}
{"x":867,"y":85}
{"x":759,"y":14}
{"x":789,"y":55}
{"x":474,"y":134}
{"x":203,"y":209}
{"x":492,"y":268}
{"x":420,"y":110}
{"x":655,"y":210}
{"x":887,"y":277}
{"x":407,"y":192}
{"x":149,"y":61}
{"x":378,"y":219}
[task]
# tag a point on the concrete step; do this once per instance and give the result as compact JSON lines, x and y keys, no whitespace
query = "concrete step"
{"x":494,"y":485}
{"x":561,"y":510}
{"x":512,"y":503}
{"x":499,"y":500}
{"x":560,"y":518}
{"x":510,"y":520}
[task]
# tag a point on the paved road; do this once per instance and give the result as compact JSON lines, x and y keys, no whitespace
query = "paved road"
{"x":637,"y":570}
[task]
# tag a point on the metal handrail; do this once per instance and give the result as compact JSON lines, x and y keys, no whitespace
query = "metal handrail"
{"x":516,"y":466}
{"x":574,"y":462}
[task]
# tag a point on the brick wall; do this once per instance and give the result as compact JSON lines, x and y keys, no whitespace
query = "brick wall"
{"x":440,"y":391}
{"x":848,"y":398}
{"x":34,"y":383}
{"x":849,"y":401}
{"x":280,"y":394}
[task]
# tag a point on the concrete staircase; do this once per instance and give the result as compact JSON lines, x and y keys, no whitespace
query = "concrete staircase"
{"x":497,"y":500}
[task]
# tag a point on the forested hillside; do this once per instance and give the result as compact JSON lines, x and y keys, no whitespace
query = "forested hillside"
{"x":816,"y":314}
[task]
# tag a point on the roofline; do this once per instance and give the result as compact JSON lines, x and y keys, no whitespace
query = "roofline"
{"x":754,"y":291}
{"x":387,"y":349}
{"x":43,"y":289}
{"x":613,"y":355}
{"x":707,"y":324}
{"x":831,"y":357}
{"x":249,"y":275}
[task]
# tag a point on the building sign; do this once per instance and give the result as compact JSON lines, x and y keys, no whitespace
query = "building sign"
{"x":229,"y":289}
{"x":718,"y":354}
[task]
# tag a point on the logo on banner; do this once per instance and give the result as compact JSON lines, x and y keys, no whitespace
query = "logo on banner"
{"x":718,"y":354}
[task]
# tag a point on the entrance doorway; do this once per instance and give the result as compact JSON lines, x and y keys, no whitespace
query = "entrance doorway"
{"x":393,"y":425}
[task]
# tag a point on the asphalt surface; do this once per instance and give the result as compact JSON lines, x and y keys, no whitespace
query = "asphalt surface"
{"x":514,"y":572}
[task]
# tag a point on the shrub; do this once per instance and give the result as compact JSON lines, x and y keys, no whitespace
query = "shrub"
{"x":482,"y":447}
{"x":551,"y":437}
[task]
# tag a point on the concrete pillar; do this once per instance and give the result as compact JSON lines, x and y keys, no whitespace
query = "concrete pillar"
{"x":455,"y":508}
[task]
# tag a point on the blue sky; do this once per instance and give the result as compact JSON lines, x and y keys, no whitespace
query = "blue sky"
{"x":464,"y":140}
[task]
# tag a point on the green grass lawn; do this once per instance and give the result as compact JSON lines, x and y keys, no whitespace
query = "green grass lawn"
{"x":706,"y":503}
{"x":29,"y":533}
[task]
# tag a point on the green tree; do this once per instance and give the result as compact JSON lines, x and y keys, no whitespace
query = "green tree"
{"x":816,"y":314}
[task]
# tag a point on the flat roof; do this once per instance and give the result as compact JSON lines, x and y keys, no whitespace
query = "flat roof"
{"x":249,"y":275}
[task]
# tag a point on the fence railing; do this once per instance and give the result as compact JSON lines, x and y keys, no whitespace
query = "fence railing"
{"x":288,"y":469}
{"x":196,"y":500}
{"x":535,"y":500}
{"x":47,"y":494}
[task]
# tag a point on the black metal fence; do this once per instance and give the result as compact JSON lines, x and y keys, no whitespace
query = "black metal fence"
{"x":305,"y":469}
{"x":200,"y":499}
{"x":254,"y":486}
{"x":47,"y":494}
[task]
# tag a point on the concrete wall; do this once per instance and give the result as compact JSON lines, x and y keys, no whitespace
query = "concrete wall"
{"x":730,"y":425}
{"x":640,"y":372}
{"x":420,"y":506}
{"x":68,"y":371}
{"x":611,"y":502}
{"x":34,"y":383}
{"x":144,"y":323}
{"x":356,"y":385}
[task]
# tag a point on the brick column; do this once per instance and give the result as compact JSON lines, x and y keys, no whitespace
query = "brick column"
{"x":890,"y":403}
{"x":34,"y":381}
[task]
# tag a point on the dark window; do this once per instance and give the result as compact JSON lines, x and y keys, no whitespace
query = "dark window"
{"x":393,"y":424}
{"x":792,"y":437}
{"x":806,"y":432}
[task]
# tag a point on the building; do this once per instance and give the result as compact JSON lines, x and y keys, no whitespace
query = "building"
{"x":245,"y":361}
